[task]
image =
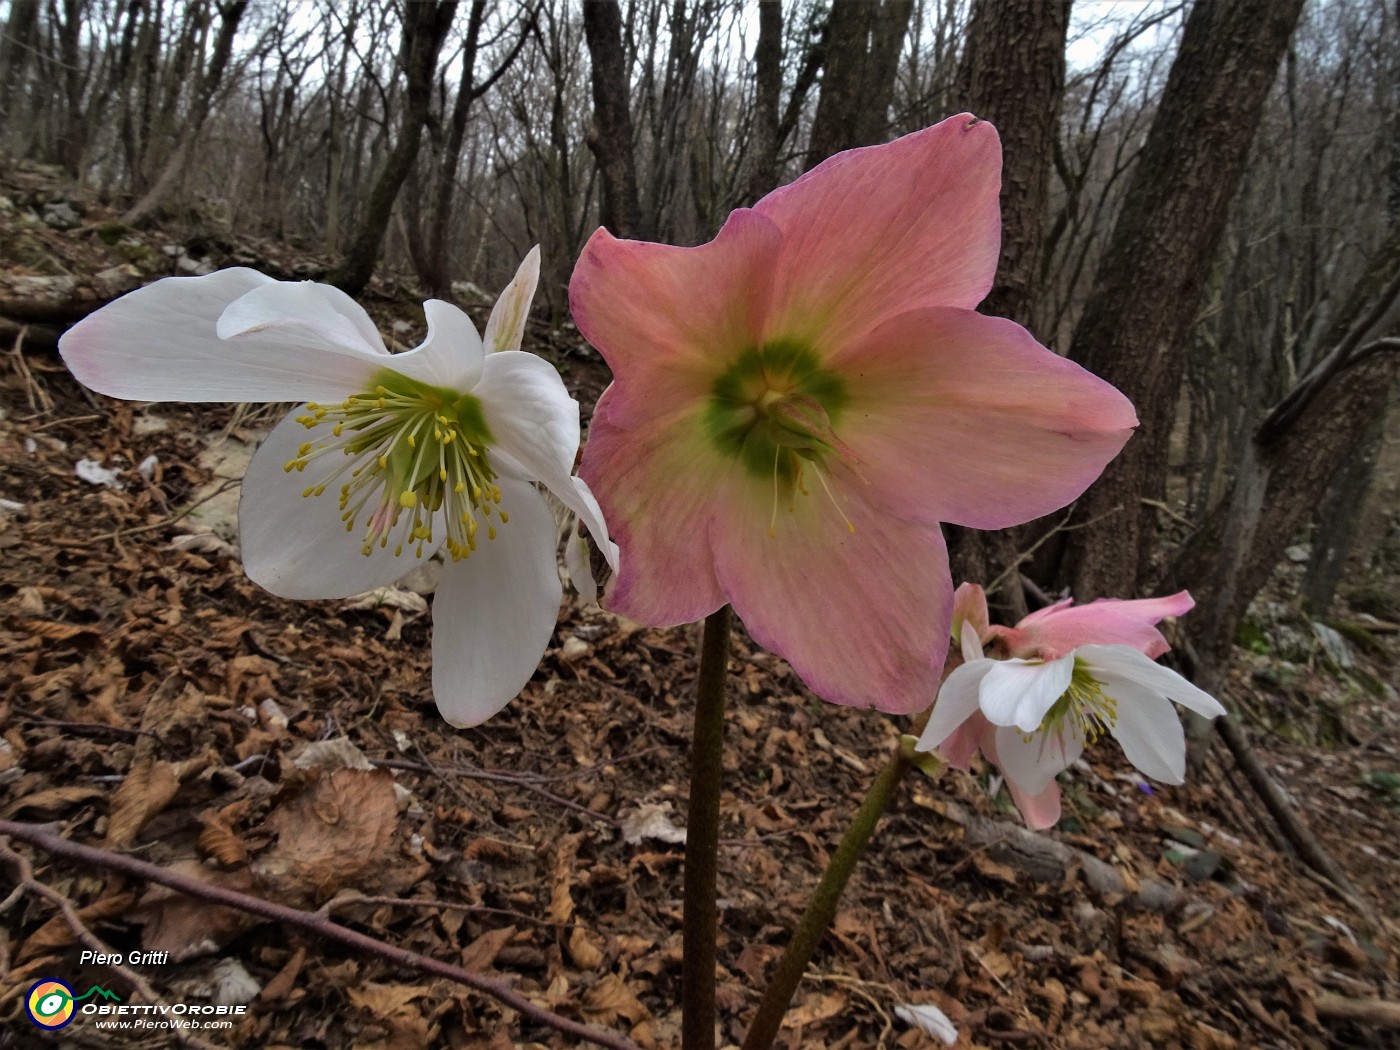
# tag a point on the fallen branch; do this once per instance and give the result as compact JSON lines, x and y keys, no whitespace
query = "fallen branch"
{"x":1298,"y":834}
{"x":1380,"y":1012}
{"x":1051,"y":862}
{"x":312,"y":923}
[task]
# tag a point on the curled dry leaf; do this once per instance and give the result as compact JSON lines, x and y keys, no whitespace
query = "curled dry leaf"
{"x":336,"y":833}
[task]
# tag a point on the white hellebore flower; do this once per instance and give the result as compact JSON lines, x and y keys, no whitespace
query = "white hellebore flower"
{"x":389,"y":458}
{"x":1044,"y":712}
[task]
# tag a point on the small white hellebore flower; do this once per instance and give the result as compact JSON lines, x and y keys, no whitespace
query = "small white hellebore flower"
{"x":390,"y":457}
{"x":1033,"y":714}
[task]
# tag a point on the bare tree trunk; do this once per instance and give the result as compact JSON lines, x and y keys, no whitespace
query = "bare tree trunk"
{"x":863,"y":41}
{"x":17,"y":43}
{"x":1290,"y":462}
{"x":425,"y":27}
{"x":768,"y":68}
{"x":230,"y":15}
{"x":1149,"y":283}
{"x":610,"y":137}
{"x":1013,"y":74}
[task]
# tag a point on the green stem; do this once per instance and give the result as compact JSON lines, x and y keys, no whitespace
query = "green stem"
{"x":821,"y":909}
{"x":702,"y":839}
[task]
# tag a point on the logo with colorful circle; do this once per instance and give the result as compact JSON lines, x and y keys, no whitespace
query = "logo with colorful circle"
{"x":50,"y":1004}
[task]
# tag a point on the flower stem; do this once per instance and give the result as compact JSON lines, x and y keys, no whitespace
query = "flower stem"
{"x":702,"y":839}
{"x":821,"y":909}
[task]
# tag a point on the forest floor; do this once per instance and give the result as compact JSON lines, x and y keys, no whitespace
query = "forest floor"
{"x":156,"y":703}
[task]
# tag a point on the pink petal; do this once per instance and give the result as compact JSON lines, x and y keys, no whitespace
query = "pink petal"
{"x":1051,"y":632}
{"x":970,"y":610}
{"x":875,"y":231}
{"x":1032,"y":764}
{"x":964,"y":418}
{"x":656,"y":484}
{"x":862,"y":617}
{"x":668,"y":320}
{"x":1039,"y":809}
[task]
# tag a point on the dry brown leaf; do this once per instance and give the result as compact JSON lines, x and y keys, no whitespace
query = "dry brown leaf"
{"x":56,"y":933}
{"x":387,"y":1000}
{"x":220,"y":842}
{"x":561,"y":904}
{"x":583,"y":950}
{"x":185,"y":927}
{"x":818,"y":1007}
{"x":51,"y":802}
{"x":482,"y":952}
{"x":285,"y":979}
{"x":610,"y":999}
{"x":149,"y":787}
{"x":334,"y":834}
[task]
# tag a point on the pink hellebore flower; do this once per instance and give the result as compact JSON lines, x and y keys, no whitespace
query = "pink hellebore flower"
{"x":799,"y":403}
{"x":392,"y":457}
{"x":1071,"y":675}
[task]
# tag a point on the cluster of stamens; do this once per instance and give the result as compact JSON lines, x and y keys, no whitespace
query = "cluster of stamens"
{"x":404,"y":455}
{"x":774,"y":411}
{"x":1084,"y":707}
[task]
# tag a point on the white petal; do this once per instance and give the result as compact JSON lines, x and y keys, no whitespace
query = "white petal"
{"x":532,"y":417}
{"x":495,"y":612}
{"x":957,"y":700}
{"x":1020,"y":692}
{"x":576,"y":551}
{"x":159,"y":344}
{"x":450,"y":356}
{"x":1110,"y":662}
{"x":1032,"y":764}
{"x":578,"y":558}
{"x":296,"y":546}
{"x":506,"y":328}
{"x":302,"y":313}
{"x":969,"y":643}
{"x":579,"y":498}
{"x":1149,"y":729}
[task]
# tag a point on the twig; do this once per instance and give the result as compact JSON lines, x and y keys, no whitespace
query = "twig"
{"x":347,"y":900}
{"x":117,"y":534}
{"x":312,"y":923}
{"x":1060,"y":526}
{"x":43,"y":404}
{"x":89,"y":940}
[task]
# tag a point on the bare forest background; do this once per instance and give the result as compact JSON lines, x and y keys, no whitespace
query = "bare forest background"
{"x":1202,"y":205}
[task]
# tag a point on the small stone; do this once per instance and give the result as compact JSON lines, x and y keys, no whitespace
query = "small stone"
{"x":575,"y":649}
{"x":1298,"y":553}
{"x":61,"y":216}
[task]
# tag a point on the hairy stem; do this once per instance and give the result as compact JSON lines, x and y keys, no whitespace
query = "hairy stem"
{"x":702,"y":838}
{"x":821,"y":909}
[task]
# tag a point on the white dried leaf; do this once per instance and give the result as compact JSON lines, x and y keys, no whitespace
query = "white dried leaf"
{"x":389,"y":598}
{"x":650,"y":821}
{"x":928,"y":1019}
{"x":336,"y":753}
{"x":94,"y":473}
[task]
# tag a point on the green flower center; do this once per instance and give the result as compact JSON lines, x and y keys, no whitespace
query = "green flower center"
{"x":1083,"y":707}
{"x":774,"y":410}
{"x":407,"y":451}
